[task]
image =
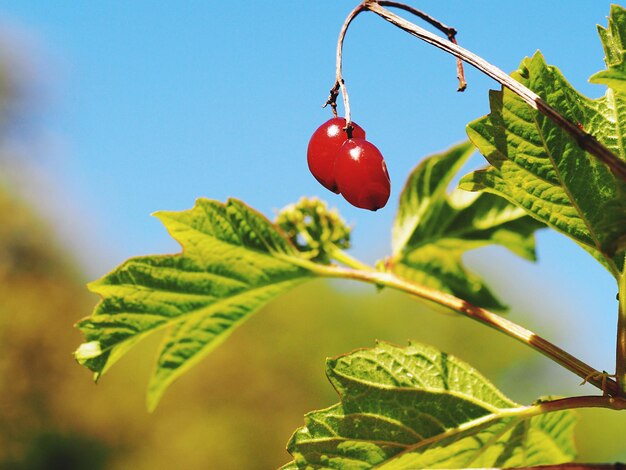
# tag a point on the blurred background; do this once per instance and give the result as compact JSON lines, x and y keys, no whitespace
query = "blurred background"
{"x":112,"y":110}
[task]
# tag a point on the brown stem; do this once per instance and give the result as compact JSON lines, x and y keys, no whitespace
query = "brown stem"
{"x":618,"y":404}
{"x":545,"y":347}
{"x":514,"y":416}
{"x":339,"y":81}
{"x":332,"y":99}
{"x":445,"y":29}
{"x":571,"y":403}
{"x":584,"y":140}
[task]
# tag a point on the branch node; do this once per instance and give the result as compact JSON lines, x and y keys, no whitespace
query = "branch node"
{"x":332,"y":98}
{"x":449,"y":31}
{"x":349,"y":128}
{"x":603,"y":377}
{"x":587,"y":142}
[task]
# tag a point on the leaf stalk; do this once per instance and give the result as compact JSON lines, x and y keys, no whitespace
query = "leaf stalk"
{"x":348,"y":260}
{"x":339,"y":81}
{"x":519,"y":414}
{"x":493,"y":320}
{"x":584,"y":139}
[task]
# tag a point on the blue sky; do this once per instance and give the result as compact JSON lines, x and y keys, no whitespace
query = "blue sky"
{"x":147,"y":107}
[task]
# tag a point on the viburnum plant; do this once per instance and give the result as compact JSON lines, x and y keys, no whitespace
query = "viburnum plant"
{"x":556,"y":159}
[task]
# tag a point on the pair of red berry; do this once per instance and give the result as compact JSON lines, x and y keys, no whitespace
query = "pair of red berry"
{"x":349,"y":165}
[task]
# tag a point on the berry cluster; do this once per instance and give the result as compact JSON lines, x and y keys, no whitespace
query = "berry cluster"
{"x":349,"y":165}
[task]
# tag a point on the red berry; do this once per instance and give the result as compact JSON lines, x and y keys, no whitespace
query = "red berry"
{"x":361,"y":175}
{"x":323,"y":147}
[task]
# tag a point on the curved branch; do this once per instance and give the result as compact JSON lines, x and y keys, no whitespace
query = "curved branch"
{"x":571,"y":403}
{"x":339,"y":81}
{"x":584,"y":140}
{"x":600,"y":380}
{"x":447,"y":30}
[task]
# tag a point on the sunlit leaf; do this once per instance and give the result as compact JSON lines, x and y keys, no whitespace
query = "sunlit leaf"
{"x":233,"y":262}
{"x":537,"y":166}
{"x":614,"y":42}
{"x":507,"y":444}
{"x":433,"y":229}
{"x":416,"y":407}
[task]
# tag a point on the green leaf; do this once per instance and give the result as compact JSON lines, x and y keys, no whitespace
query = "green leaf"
{"x":416,"y":407}
{"x":233,"y":262}
{"x":433,"y":229}
{"x":507,"y":444}
{"x":537,"y":166}
{"x":614,"y":42}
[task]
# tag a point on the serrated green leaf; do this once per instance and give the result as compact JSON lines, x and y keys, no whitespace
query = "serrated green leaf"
{"x":537,"y":166}
{"x":233,"y":262}
{"x":509,"y":443}
{"x":416,"y":407}
{"x":614,"y":42}
{"x":434,"y":229}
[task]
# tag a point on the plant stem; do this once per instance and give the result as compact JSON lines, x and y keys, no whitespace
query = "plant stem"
{"x":584,"y":140}
{"x":620,"y":357}
{"x":570,"y":403}
{"x":351,"y":262}
{"x":339,"y":81}
{"x":447,"y":30}
{"x":516,"y":415}
{"x":545,"y":347}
